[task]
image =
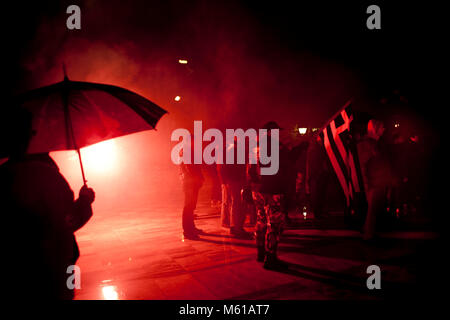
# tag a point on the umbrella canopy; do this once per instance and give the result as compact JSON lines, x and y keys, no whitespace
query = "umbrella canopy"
{"x":70,"y":115}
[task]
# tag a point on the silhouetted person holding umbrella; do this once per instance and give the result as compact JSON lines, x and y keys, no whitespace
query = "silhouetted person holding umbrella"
{"x":39,"y":206}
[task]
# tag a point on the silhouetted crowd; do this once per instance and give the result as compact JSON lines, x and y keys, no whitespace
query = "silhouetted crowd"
{"x":40,"y":209}
{"x":306,"y":185}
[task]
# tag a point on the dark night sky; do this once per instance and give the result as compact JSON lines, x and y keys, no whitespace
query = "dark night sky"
{"x":286,"y":37}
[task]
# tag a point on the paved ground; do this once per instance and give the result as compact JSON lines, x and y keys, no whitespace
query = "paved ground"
{"x":140,"y":254}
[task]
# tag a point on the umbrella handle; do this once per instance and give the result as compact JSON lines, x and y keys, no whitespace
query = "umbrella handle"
{"x":68,"y":120}
{"x":81,"y":166}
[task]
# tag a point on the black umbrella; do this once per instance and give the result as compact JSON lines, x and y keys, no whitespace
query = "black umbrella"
{"x":70,"y":115}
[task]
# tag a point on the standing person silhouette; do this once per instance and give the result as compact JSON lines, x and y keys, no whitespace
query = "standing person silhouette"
{"x":192,"y":180}
{"x":38,"y":206}
{"x":268,"y":192}
{"x":233,"y":179}
{"x":377,"y":175}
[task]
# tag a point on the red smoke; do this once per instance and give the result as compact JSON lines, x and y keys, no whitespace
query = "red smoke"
{"x":237,"y":75}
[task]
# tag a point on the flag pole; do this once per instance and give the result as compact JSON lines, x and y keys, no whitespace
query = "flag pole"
{"x":349,"y":101}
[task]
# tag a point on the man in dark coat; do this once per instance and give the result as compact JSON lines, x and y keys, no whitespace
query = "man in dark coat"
{"x":377,"y":174}
{"x":192,"y":179}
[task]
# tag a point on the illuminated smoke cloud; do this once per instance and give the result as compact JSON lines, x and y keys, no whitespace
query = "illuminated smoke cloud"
{"x":238,"y":75}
